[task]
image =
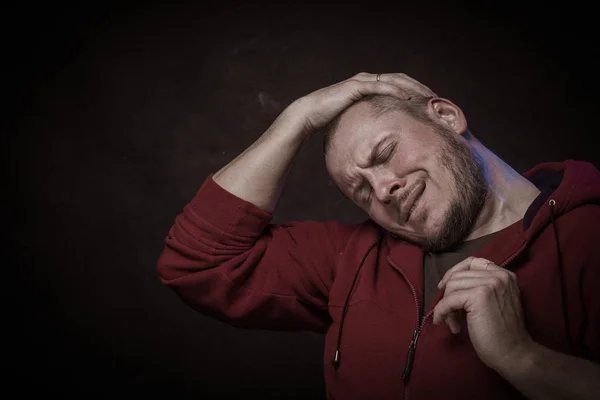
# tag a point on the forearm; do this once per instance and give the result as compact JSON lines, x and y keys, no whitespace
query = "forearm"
{"x":543,"y":373}
{"x":257,"y":175}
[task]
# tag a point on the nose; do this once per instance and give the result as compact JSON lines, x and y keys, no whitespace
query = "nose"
{"x":388,"y":189}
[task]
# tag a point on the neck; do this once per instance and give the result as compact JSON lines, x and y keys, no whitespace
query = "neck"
{"x":509,"y":194}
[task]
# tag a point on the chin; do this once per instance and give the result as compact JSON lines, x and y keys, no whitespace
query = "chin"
{"x":409,"y":236}
{"x":433,"y":238}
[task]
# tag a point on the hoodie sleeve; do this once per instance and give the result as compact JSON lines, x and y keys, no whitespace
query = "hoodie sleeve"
{"x":226,"y":260}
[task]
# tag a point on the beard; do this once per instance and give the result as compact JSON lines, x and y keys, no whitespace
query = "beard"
{"x":470,"y":192}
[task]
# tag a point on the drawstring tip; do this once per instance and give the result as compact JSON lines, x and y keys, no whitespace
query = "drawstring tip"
{"x":336,"y":360}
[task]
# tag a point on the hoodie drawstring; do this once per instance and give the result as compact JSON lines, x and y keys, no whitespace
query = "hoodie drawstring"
{"x":561,"y":275}
{"x":336,"y":358}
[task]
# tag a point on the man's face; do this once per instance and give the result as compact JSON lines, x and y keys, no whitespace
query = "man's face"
{"x":418,"y":181}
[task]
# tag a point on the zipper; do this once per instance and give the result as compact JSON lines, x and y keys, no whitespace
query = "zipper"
{"x":410,"y":356}
{"x":515,"y":255}
{"x":412,"y":347}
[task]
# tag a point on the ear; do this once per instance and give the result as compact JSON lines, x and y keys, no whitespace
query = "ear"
{"x":449,"y":114}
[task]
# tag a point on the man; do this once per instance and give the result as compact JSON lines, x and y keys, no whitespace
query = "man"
{"x":468,"y":280}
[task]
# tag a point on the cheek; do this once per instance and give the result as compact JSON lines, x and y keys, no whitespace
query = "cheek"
{"x":436,"y":216}
{"x":443,"y":183}
{"x":438,"y":203}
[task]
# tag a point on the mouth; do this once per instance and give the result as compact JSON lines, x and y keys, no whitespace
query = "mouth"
{"x":414,"y":206}
{"x":410,"y":205}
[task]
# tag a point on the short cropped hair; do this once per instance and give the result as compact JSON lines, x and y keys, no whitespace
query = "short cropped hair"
{"x":415,"y":106}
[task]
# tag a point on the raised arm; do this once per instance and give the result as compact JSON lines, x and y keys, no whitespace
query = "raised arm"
{"x":224,"y":258}
{"x":257,"y":175}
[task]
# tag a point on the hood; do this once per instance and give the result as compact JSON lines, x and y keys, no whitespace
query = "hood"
{"x":570,"y":184}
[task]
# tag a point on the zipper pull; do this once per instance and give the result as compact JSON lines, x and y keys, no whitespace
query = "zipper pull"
{"x":410,"y":356}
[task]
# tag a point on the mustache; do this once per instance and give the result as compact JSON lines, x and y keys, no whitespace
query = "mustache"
{"x":402,"y":199}
{"x":406,"y":194}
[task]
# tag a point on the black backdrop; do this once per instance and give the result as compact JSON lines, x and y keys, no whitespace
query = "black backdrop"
{"x":117,"y":112}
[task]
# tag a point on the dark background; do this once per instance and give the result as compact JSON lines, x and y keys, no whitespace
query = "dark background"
{"x":116,"y":112}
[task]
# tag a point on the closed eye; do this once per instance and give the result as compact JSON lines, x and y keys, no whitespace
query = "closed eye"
{"x":385,"y":154}
{"x":381,"y":157}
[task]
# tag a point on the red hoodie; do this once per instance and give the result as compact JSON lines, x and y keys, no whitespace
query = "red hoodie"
{"x":224,"y":259}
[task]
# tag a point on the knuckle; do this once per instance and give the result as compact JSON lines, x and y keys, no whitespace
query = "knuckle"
{"x":354,"y":84}
{"x":497,"y":281}
{"x":303,"y":101}
{"x":506,"y":276}
{"x":401,"y":92}
{"x":484,"y":291}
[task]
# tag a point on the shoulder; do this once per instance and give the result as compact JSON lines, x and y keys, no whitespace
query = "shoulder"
{"x":582,"y":221}
{"x":579,"y":233}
